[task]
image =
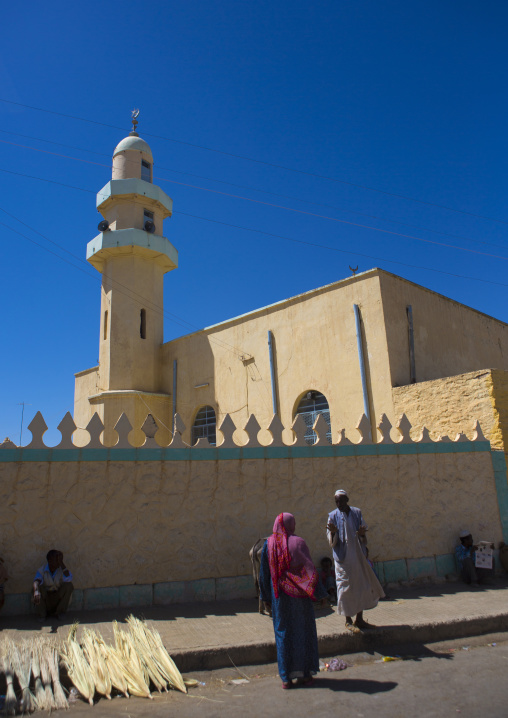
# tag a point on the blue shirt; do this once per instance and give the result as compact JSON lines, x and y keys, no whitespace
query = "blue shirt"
{"x":462,"y":552}
{"x":39,"y":576}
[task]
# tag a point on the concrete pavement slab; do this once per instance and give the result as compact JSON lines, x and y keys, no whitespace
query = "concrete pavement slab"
{"x":211,"y":635}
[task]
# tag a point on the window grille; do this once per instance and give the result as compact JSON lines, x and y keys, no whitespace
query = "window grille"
{"x":204,"y":425}
{"x":146,"y":171}
{"x":311,"y":405}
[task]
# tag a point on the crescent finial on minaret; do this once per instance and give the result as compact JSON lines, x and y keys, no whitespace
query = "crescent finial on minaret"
{"x":134,"y":115}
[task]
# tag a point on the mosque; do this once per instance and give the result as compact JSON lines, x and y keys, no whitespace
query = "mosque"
{"x":372,"y":343}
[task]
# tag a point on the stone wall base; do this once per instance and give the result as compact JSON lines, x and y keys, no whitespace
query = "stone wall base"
{"x":401,"y":571}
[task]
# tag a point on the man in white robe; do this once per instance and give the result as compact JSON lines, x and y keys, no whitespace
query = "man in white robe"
{"x":357,"y":586}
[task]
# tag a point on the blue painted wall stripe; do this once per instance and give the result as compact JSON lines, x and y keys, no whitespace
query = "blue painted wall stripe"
{"x":501,"y":479}
{"x":262,"y":452}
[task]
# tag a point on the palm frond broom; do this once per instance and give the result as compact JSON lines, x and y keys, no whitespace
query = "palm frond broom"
{"x":96,"y":662}
{"x":11,"y":702}
{"x":139,"y":639}
{"x":158,"y":648}
{"x":51,"y":656}
{"x":150,"y":644}
{"x":114,"y":665}
{"x":78,"y":669}
{"x":46,"y":678}
{"x":134,"y":671}
{"x":40,"y":693}
{"x":22,"y":663}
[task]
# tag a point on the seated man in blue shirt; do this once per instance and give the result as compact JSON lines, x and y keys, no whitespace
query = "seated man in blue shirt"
{"x":465,"y":553}
{"x":52,"y":589}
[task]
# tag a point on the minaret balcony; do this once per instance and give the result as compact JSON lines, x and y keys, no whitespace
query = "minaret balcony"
{"x":136,"y":242}
{"x":132,"y":189}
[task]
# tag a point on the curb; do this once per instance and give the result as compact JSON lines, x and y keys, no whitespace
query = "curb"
{"x":203,"y":659}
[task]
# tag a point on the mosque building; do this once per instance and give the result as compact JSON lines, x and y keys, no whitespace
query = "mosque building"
{"x":372,"y":343}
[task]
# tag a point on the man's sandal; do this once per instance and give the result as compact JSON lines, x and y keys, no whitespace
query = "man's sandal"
{"x":352,"y":628}
{"x":363,"y":625}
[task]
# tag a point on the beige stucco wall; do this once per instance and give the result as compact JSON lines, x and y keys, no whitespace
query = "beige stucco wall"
{"x":449,"y":337}
{"x":125,"y":522}
{"x":110,"y":406}
{"x":86,"y":384}
{"x":315,"y":349}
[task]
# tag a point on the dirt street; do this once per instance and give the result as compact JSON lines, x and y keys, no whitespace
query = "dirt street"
{"x":466,"y":678}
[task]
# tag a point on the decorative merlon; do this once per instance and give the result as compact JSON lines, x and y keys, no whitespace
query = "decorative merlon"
{"x":226,"y":434}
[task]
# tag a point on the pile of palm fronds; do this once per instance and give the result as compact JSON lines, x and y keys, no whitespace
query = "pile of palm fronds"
{"x":29,"y":664}
{"x":137,"y":661}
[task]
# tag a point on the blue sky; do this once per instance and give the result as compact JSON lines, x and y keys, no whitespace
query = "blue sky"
{"x":388,"y":115}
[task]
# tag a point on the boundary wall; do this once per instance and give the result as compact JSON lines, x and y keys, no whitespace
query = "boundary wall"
{"x":155,"y":525}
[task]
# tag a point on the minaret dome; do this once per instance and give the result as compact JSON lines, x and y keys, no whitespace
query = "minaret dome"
{"x":132,"y":159}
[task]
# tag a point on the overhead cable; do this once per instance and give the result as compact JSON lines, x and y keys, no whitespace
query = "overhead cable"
{"x":262,"y":162}
{"x":254,"y":189}
{"x":298,"y":211}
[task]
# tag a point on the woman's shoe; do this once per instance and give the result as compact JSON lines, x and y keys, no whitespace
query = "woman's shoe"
{"x":286,"y":686}
{"x":305,"y":682}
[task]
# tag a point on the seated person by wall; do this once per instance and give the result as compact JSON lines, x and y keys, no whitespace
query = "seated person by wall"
{"x":503,"y":555}
{"x":327,"y":576}
{"x":465,"y":553}
{"x":52,"y":589}
{"x":4,"y":576}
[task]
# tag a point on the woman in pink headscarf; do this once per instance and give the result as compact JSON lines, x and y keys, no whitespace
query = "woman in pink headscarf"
{"x":290,"y":582}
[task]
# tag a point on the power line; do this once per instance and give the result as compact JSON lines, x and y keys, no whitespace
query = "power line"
{"x":52,"y":142}
{"x":258,"y":231}
{"x":290,"y":209}
{"x":129,"y":293}
{"x":253,"y":189}
{"x":44,"y":179}
{"x":350,"y":252}
{"x":262,"y":162}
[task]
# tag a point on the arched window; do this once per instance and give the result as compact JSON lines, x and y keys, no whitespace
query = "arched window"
{"x":142,"y":324}
{"x":311,"y":405}
{"x":204,"y":425}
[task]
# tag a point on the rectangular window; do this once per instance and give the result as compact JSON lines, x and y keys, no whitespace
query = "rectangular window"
{"x":146,"y":171}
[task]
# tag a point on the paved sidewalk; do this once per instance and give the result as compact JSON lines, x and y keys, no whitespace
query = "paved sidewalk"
{"x":203,"y":636}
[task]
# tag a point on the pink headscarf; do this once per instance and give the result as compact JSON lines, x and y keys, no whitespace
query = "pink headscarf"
{"x":291,"y":566}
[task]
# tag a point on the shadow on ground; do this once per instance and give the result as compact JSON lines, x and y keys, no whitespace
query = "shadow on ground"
{"x":354,"y":685}
{"x":449,"y":588}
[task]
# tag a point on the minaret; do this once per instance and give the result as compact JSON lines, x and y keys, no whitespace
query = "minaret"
{"x":132,"y":255}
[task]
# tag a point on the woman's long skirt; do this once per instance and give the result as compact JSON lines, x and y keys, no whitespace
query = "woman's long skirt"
{"x":294,"y":625}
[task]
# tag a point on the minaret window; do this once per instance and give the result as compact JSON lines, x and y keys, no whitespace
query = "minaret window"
{"x":146,"y":171}
{"x":142,"y":324}
{"x":105,"y":328}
